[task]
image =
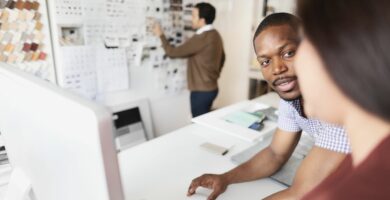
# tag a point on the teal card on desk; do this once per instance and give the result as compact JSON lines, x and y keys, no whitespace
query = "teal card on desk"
{"x":242,"y":118}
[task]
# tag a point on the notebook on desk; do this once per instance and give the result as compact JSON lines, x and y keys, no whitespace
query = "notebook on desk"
{"x":287,"y":173}
{"x":233,"y":121}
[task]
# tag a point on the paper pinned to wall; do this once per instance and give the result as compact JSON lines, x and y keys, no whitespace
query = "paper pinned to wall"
{"x":123,"y":20}
{"x":92,"y":70}
{"x":69,"y":11}
{"x":93,"y":32}
{"x":93,"y":10}
{"x":134,"y":53}
{"x":112,"y":71}
{"x":170,"y":76}
{"x":78,"y":72}
{"x":127,"y":24}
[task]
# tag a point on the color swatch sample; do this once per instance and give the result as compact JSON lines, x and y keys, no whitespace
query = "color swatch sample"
{"x":21,"y":36}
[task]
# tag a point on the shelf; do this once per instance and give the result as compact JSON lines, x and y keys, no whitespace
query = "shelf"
{"x":255,"y":74}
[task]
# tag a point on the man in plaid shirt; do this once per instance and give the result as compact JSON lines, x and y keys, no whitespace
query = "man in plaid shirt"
{"x":276,"y":41}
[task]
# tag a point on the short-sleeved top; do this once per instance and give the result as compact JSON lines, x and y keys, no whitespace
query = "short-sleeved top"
{"x":368,"y":180}
{"x":328,"y":136}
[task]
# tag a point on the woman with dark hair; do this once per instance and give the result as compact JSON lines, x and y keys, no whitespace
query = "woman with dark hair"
{"x":343,"y":67}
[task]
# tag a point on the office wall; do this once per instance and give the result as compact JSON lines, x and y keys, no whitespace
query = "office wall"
{"x":170,"y":113}
{"x":234,"y":21}
{"x":103,"y":45}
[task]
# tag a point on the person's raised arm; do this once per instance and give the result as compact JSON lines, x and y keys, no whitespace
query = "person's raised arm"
{"x":188,"y":48}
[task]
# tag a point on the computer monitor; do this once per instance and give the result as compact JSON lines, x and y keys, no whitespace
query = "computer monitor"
{"x":60,"y":145}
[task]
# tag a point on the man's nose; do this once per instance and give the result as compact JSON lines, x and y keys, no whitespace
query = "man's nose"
{"x":278,"y":67}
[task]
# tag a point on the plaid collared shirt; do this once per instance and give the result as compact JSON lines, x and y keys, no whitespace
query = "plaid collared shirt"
{"x":325,"y":135}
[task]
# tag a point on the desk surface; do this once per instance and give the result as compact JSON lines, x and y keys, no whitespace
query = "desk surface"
{"x":215,"y":120}
{"x":164,"y":167}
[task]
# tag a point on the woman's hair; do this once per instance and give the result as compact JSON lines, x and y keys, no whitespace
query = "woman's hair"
{"x":353,"y":40}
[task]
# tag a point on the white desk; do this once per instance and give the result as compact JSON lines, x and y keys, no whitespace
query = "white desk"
{"x":215,"y":120}
{"x":164,"y":167}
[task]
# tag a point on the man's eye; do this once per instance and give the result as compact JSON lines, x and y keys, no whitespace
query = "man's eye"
{"x":289,"y":54}
{"x":264,"y":63}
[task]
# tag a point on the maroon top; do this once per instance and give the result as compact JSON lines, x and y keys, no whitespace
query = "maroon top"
{"x":369,"y":180}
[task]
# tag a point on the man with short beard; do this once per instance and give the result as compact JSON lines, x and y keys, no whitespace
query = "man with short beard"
{"x":275,"y":42}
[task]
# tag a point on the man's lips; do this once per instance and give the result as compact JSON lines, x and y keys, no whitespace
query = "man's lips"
{"x":285,"y":84}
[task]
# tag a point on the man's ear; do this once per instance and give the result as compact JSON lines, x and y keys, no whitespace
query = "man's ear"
{"x":203,"y":21}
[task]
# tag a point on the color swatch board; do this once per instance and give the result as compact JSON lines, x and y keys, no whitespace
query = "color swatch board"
{"x":110,"y":27}
{"x":25,"y":37}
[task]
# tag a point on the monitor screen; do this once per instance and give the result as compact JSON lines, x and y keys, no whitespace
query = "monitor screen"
{"x":60,"y":145}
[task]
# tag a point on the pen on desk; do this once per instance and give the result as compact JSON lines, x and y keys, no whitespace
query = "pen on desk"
{"x":225,"y":152}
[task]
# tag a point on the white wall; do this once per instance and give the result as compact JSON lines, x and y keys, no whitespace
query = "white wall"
{"x":234,"y":22}
{"x":170,"y":112}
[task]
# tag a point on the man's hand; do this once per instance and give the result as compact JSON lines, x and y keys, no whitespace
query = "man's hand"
{"x":215,"y":182}
{"x":157,"y":31}
{"x":263,"y":164}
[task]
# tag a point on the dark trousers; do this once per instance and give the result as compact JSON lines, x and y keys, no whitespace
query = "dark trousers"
{"x":201,"y":102}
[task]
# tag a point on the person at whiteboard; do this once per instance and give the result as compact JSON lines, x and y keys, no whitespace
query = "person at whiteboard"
{"x":275,"y":43}
{"x":205,"y":55}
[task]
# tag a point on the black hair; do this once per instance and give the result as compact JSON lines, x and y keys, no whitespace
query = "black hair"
{"x":352,"y":39}
{"x":277,"y":19}
{"x":206,"y":11}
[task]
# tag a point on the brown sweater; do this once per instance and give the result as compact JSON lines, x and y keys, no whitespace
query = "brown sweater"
{"x":205,"y":59}
{"x":368,"y":180}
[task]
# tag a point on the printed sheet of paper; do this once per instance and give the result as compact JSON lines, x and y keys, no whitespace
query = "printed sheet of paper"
{"x":78,"y":72}
{"x":112,"y":71}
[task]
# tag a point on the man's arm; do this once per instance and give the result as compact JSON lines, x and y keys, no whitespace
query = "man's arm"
{"x":187,"y":49}
{"x":267,"y":161}
{"x":263,"y":164}
{"x":317,"y":165}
